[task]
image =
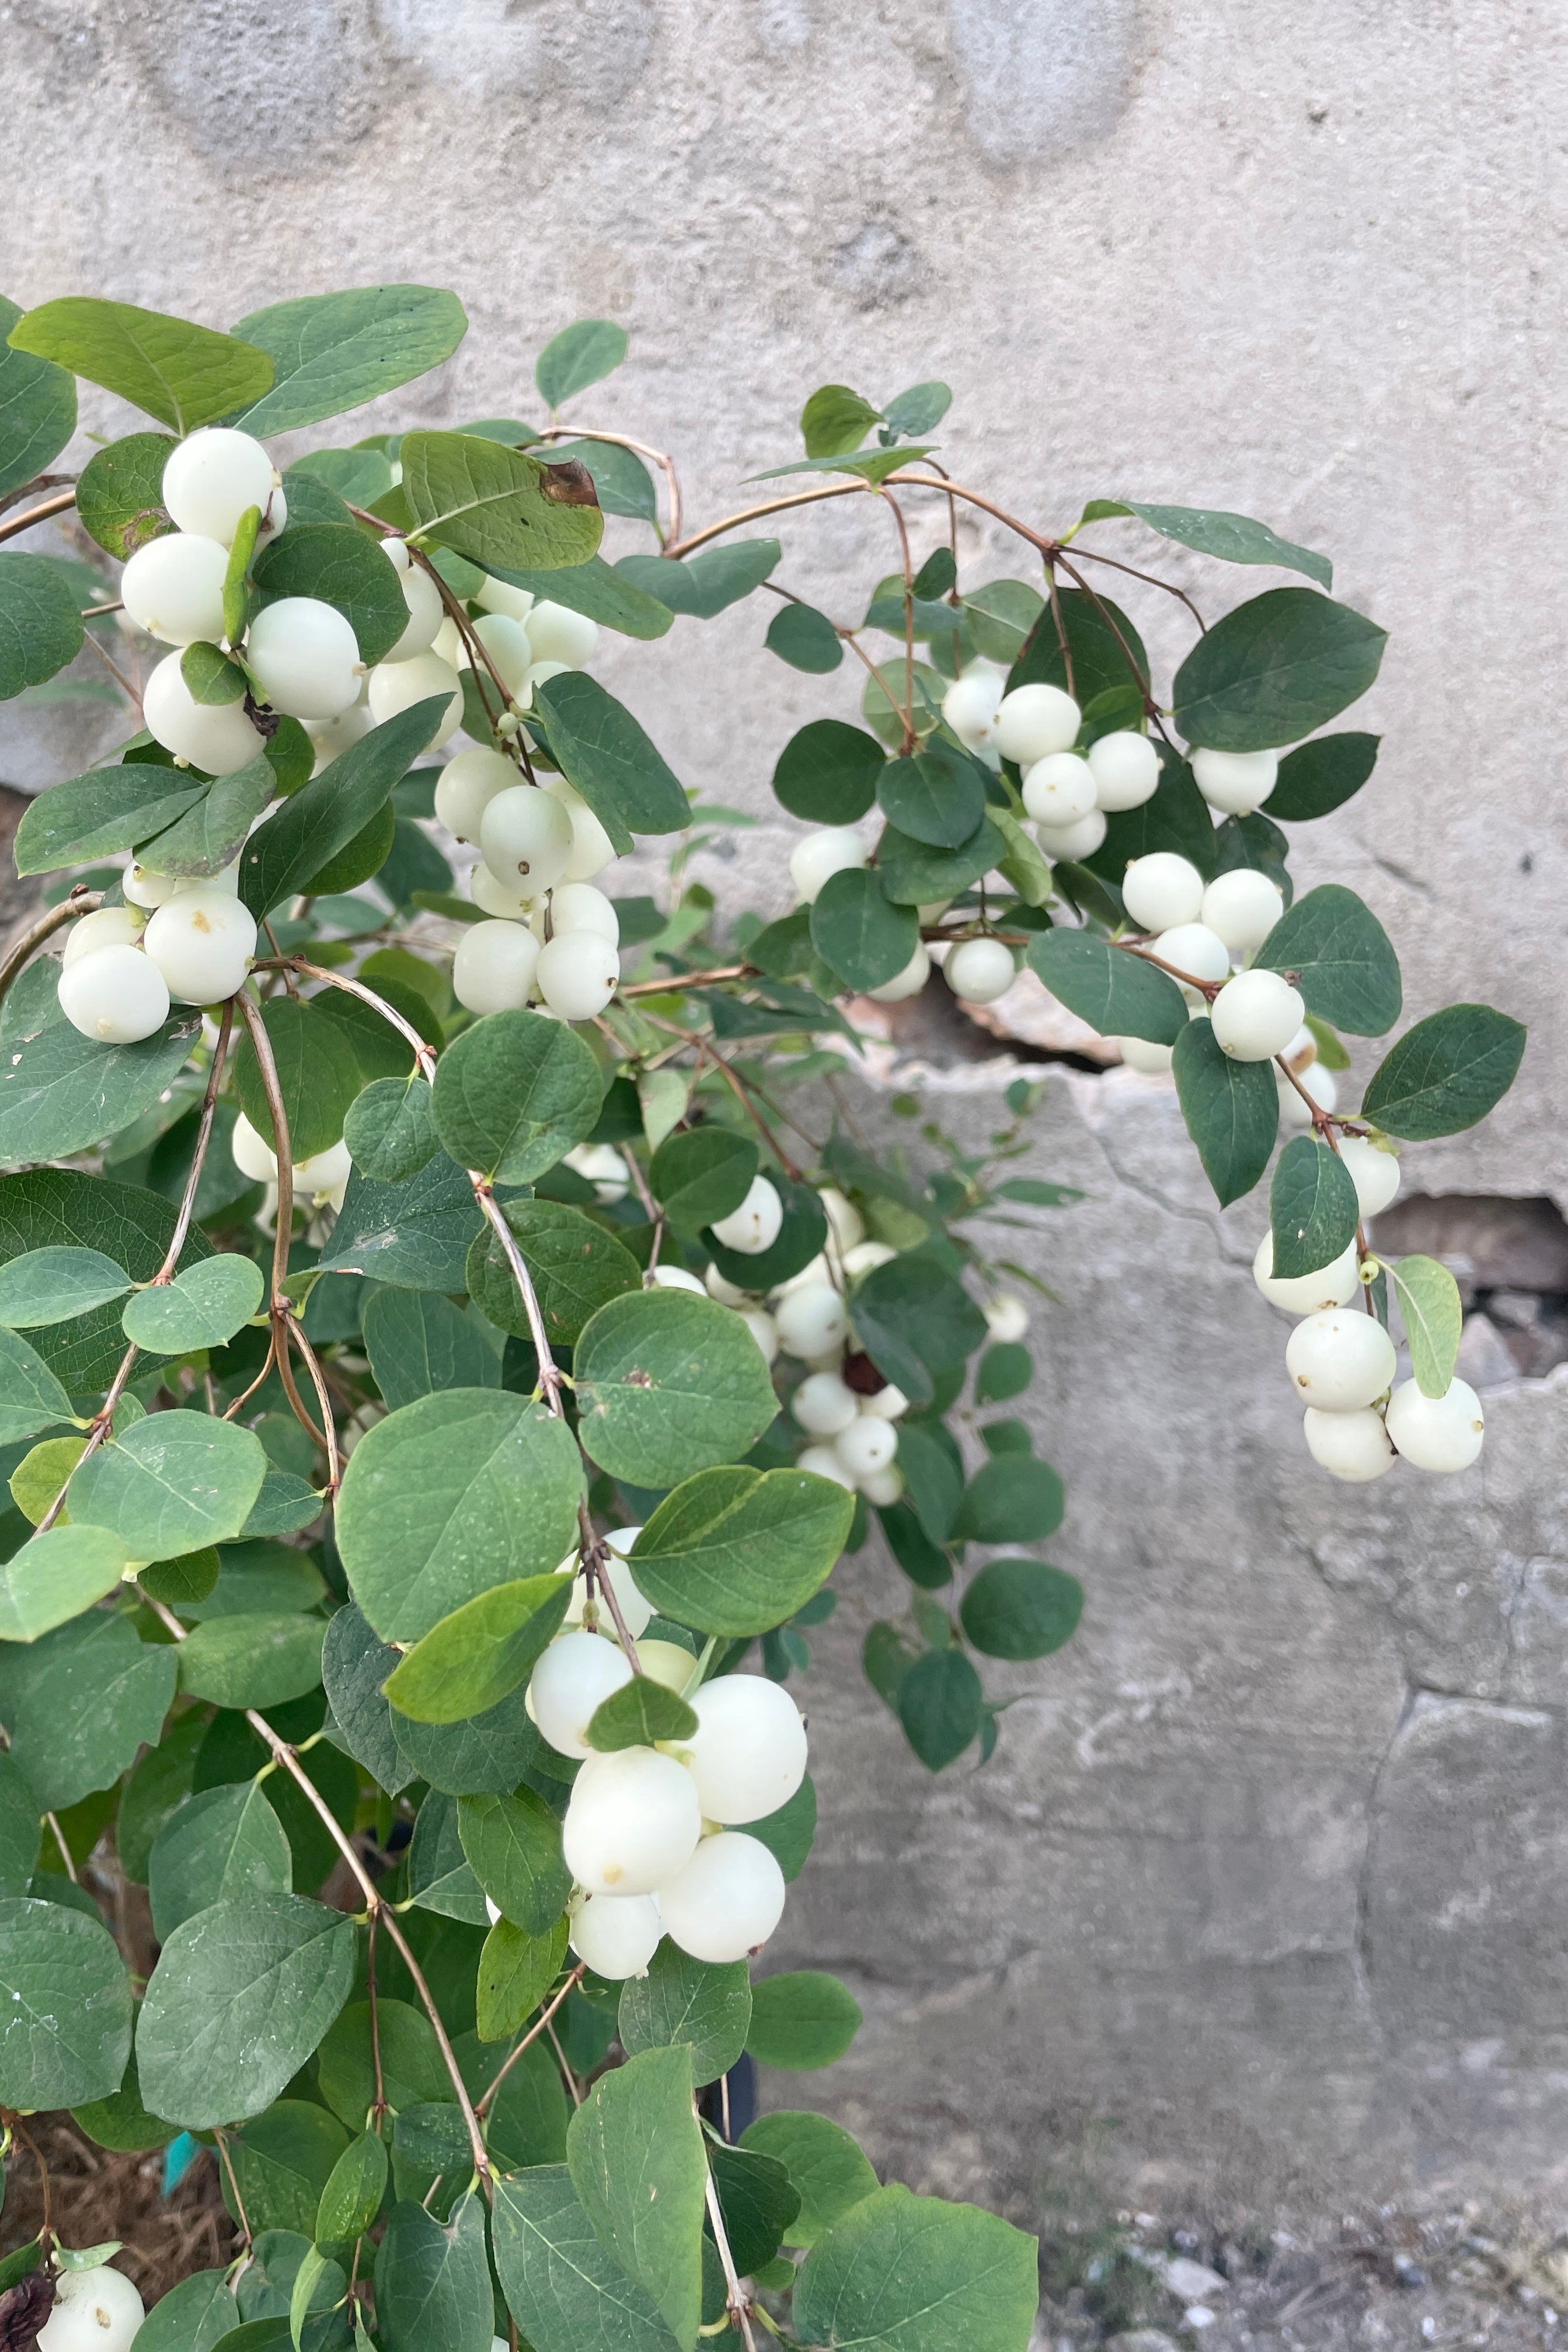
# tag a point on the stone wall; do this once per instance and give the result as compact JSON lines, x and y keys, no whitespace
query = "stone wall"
{"x":1264,"y":1890}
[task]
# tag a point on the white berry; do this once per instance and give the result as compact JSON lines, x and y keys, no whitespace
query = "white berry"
{"x":888,"y":1403}
{"x":115,"y":994}
{"x":1373,"y":1172}
{"x":633,"y":1820}
{"x":824,"y":1462}
{"x":568,"y":1682}
{"x":1340,"y":1359}
{"x":1256,"y":1016}
{"x":1349,"y":1445}
{"x":824,"y":1404}
{"x":634,"y":1606}
{"x":845,"y":1226}
{"x":493,"y":969}
{"x":835,"y":849}
{"x":673,"y":1277}
{"x":1236,"y":782}
{"x":466,"y":787}
{"x":755,"y":1227}
{"x":426,"y":610}
{"x":812,"y":1322}
{"x":109,"y":927}
{"x":252,"y":1156}
{"x":173,"y":588}
{"x":592,"y":848}
{"x":578,"y":907}
{"x":720,"y":1286}
{"x":216,"y":736}
{"x":508,"y":906}
{"x":726,"y":1901}
{"x":557,"y":634}
{"x":506,"y":642}
{"x":202,"y":942}
{"x":617,"y":1936}
{"x":908,"y":982}
{"x":213,"y":477}
{"x":747,"y":1755}
{"x":971,"y":705}
{"x":1161,"y":890}
{"x":495,"y":596}
{"x":866,"y":1446}
{"x":1321,"y":1087}
{"x":1073,"y":843}
{"x":763,"y":1331}
{"x":1126,"y":770}
{"x":979,"y":971}
{"x":883,"y":1488}
{"x":1035,"y":721}
{"x":1059,"y":788}
{"x":1193,"y":948}
{"x":1243,"y":908}
{"x":578,"y":974}
{"x":1006,"y":1317}
{"x":398,"y":686}
{"x":603,"y":1167}
{"x":1333,"y":1285}
{"x":1440,"y":1433}
{"x":321,"y":1177}
{"x":1143,"y":1055}
{"x":94,"y":2310}
{"x":305,"y":658}
{"x":526,"y":838}
{"x":864,"y":1257}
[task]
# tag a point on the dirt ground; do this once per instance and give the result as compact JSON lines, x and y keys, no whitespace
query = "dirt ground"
{"x":94,"y":2195}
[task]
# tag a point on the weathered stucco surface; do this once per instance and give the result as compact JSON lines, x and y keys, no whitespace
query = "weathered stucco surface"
{"x":1265,"y":1889}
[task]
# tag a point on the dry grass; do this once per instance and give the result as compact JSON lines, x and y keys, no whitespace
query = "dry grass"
{"x":95,"y":2195}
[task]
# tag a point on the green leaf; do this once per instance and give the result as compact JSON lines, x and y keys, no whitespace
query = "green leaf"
{"x":257,"y":1660}
{"x":858,"y":934}
{"x":19,"y":1828}
{"x":107,"y":810}
{"x":1012,"y":1499}
{"x":703,"y":585}
{"x":668,"y":1383}
{"x":59,"y":1207}
{"x":1004,"y":1372}
{"x":581,"y":354}
{"x":904,"y":2273}
{"x":221,"y":1842}
{"x":804,"y":638}
{"x":1275,"y":669}
{"x":65,"y":2006}
{"x":30,"y":1397}
{"x":835,"y":419}
{"x":1176,"y":817}
{"x":868,"y":466}
{"x":801,"y":2020}
{"x":161,"y":1780}
{"x":335,"y":351}
{"x":343,"y":566}
{"x":352,"y":2198}
{"x":513,"y":1093}
{"x":170,"y":1483}
{"x":390,"y":1130}
{"x":120,"y":2122}
{"x":1021,"y":1609}
{"x":828,"y":773}
{"x":1099,"y":636}
{"x":689,"y":2004}
{"x":701,"y":1175}
{"x":317,"y":1075}
{"x":83,"y":1700}
{"x":411,"y":2067}
{"x":920,"y":410}
{"x":202,"y":1307}
{"x":493,"y":504}
{"x":622,"y":480}
{"x":193,"y":2317}
{"x":516,"y":1970}
{"x":183,"y":374}
{"x":565,"y":2292}
{"x":634,"y":2154}
{"x":936,"y":796}
{"x":941,"y":1705}
{"x":1001,"y":615}
{"x":1320,"y":776}
{"x":451,"y":1496}
{"x":513,"y":1845}
{"x":61,"y":1092}
{"x":1234,"y":539}
{"x":440,"y":1876}
{"x":639,"y":1715}
{"x":119,"y":493}
{"x":477,"y":1656}
{"x":415,"y":1234}
{"x":1446,"y":1074}
{"x":914,"y":874}
{"x":737,"y":1550}
{"x":575,"y":1266}
{"x":758,"y":2202}
{"x":1115,"y":991}
{"x":825,"y":2166}
{"x":313,"y":824}
{"x":40,"y":624}
{"x":419,"y":1343}
{"x":790,"y":1833}
{"x":606,"y":757}
{"x":598,"y":590}
{"x":1312,"y":1207}
{"x":1434,"y":1318}
{"x":240,"y":1997}
{"x":209,"y":835}
{"x":211,"y":676}
{"x":1231,"y":1109}
{"x":802,"y":1235}
{"x":37,"y":409}
{"x":914,"y":1315}
{"x":1339,"y":957}
{"x":54,"y":1577}
{"x":355,"y":1666}
{"x":433,"y":2284}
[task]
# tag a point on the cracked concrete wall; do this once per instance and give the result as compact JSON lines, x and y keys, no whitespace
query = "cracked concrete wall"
{"x":1267,"y":1870}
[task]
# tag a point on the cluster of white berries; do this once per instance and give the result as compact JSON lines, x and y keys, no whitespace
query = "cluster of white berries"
{"x":655,"y":1837}
{"x":96,"y":2310}
{"x":551,"y":938}
{"x":188,"y":943}
{"x":319,"y":1181}
{"x":1341,"y":1361}
{"x":1201,"y":928}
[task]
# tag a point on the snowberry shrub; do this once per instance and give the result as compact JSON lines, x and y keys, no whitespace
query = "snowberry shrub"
{"x":433,"y":1357}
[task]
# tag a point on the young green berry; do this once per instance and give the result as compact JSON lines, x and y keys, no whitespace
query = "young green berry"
{"x":109,"y":927}
{"x":1236,"y":782}
{"x":114,"y":994}
{"x":216,"y":736}
{"x":726,"y":1901}
{"x":1256,"y":1016}
{"x":616,"y":1936}
{"x":213,"y":477}
{"x":835,"y":849}
{"x":575,"y":1674}
{"x":634,"y":1818}
{"x":908,"y":982}
{"x":1126,"y":770}
{"x":979,"y":971}
{"x":398,"y":686}
{"x":1373,"y":1172}
{"x":866,"y":1446}
{"x":756,"y":1225}
{"x":1033,"y":721}
{"x":1072,"y":843}
{"x":202,"y":942}
{"x":1333,"y":1285}
{"x":578,"y":907}
{"x":305,"y":658}
{"x":747,"y":1755}
{"x":825,"y":1404}
{"x":1349,"y":1445}
{"x":1058,"y":790}
{"x":556,"y":634}
{"x":525,"y":837}
{"x":1161,"y":890}
{"x":1340,"y":1359}
{"x":173,"y":588}
{"x":1442,"y":1433}
{"x":494,"y":968}
{"x":1243,"y":908}
{"x":578,"y":972}
{"x":466,"y":787}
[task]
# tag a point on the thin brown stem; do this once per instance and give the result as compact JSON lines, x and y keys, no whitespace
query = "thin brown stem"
{"x":60,"y":1838}
{"x":594,"y":1550}
{"x":115,"y":672}
{"x":735,"y":2297}
{"x":245,"y":2230}
{"x":681,"y":982}
{"x":623,"y":441}
{"x":261,"y":1044}
{"x":490,"y":1210}
{"x":742,"y":1093}
{"x":1103,"y":609}
{"x":204,"y":1138}
{"x":1094,"y":555}
{"x":1206,"y":988}
{"x":379,"y":2106}
{"x":80,"y":902}
{"x":557,"y":2000}
{"x":29,"y":489}
{"x":16,"y":524}
{"x":241,"y":1401}
{"x":1062,"y":645}
{"x":909,"y":710}
{"x":102,"y":1424}
{"x":567,"y":2067}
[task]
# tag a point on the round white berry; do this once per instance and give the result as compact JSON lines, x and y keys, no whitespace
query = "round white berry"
{"x":812,"y":1322}
{"x":810,"y":1276}
{"x":633,"y":1820}
{"x":1161,"y":890}
{"x":592,"y":848}
{"x":173,"y":588}
{"x":578,"y":907}
{"x":969,"y":707}
{"x":1059,"y":788}
{"x":495,"y":596}
{"x":1035,"y":721}
{"x":578,"y":973}
{"x":466,"y":787}
{"x":883,"y":1488}
{"x":216,"y":736}
{"x":835,"y":849}
{"x":1143,"y":1055}
{"x":115,"y":994}
{"x":908,"y":982}
{"x":1349,"y":1445}
{"x":526,"y":838}
{"x":1126,"y":770}
{"x":146,"y":889}
{"x":979,"y":971}
{"x":617,"y":1936}
{"x":1441,"y":1434}
{"x":568,"y":1682}
{"x":864,"y":1257}
{"x":1006,"y":1317}
{"x":109,"y":927}
{"x":305,"y":658}
{"x":1340,"y":1359}
{"x":213,"y":477}
{"x":823,"y":1463}
{"x":845,"y":1226}
{"x":1373,"y":1172}
{"x":331,"y":738}
{"x":603,"y":1167}
{"x":493,"y":969}
{"x":755,"y":1227}
{"x":747,"y":1755}
{"x":1319,"y":1084}
{"x":252,"y":1156}
{"x":1256,"y":1016}
{"x":825,"y":1404}
{"x":1236,"y":782}
{"x":729,"y":1293}
{"x":557,"y":634}
{"x":396,"y":553}
{"x":1333,"y":1285}
{"x":508,"y":906}
{"x":1193,"y":948}
{"x":726,"y":1901}
{"x":633,"y":1604}
{"x":763,"y":1331}
{"x":202,"y":942}
{"x":672,"y":1277}
{"x":322,"y":1177}
{"x":506,"y":642}
{"x":888,"y":1403}
{"x":426,"y":610}
{"x":868,"y":1445}
{"x":1243,"y":908}
{"x":398,"y":686}
{"x":94,"y":2310}
{"x":1072,"y":843}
